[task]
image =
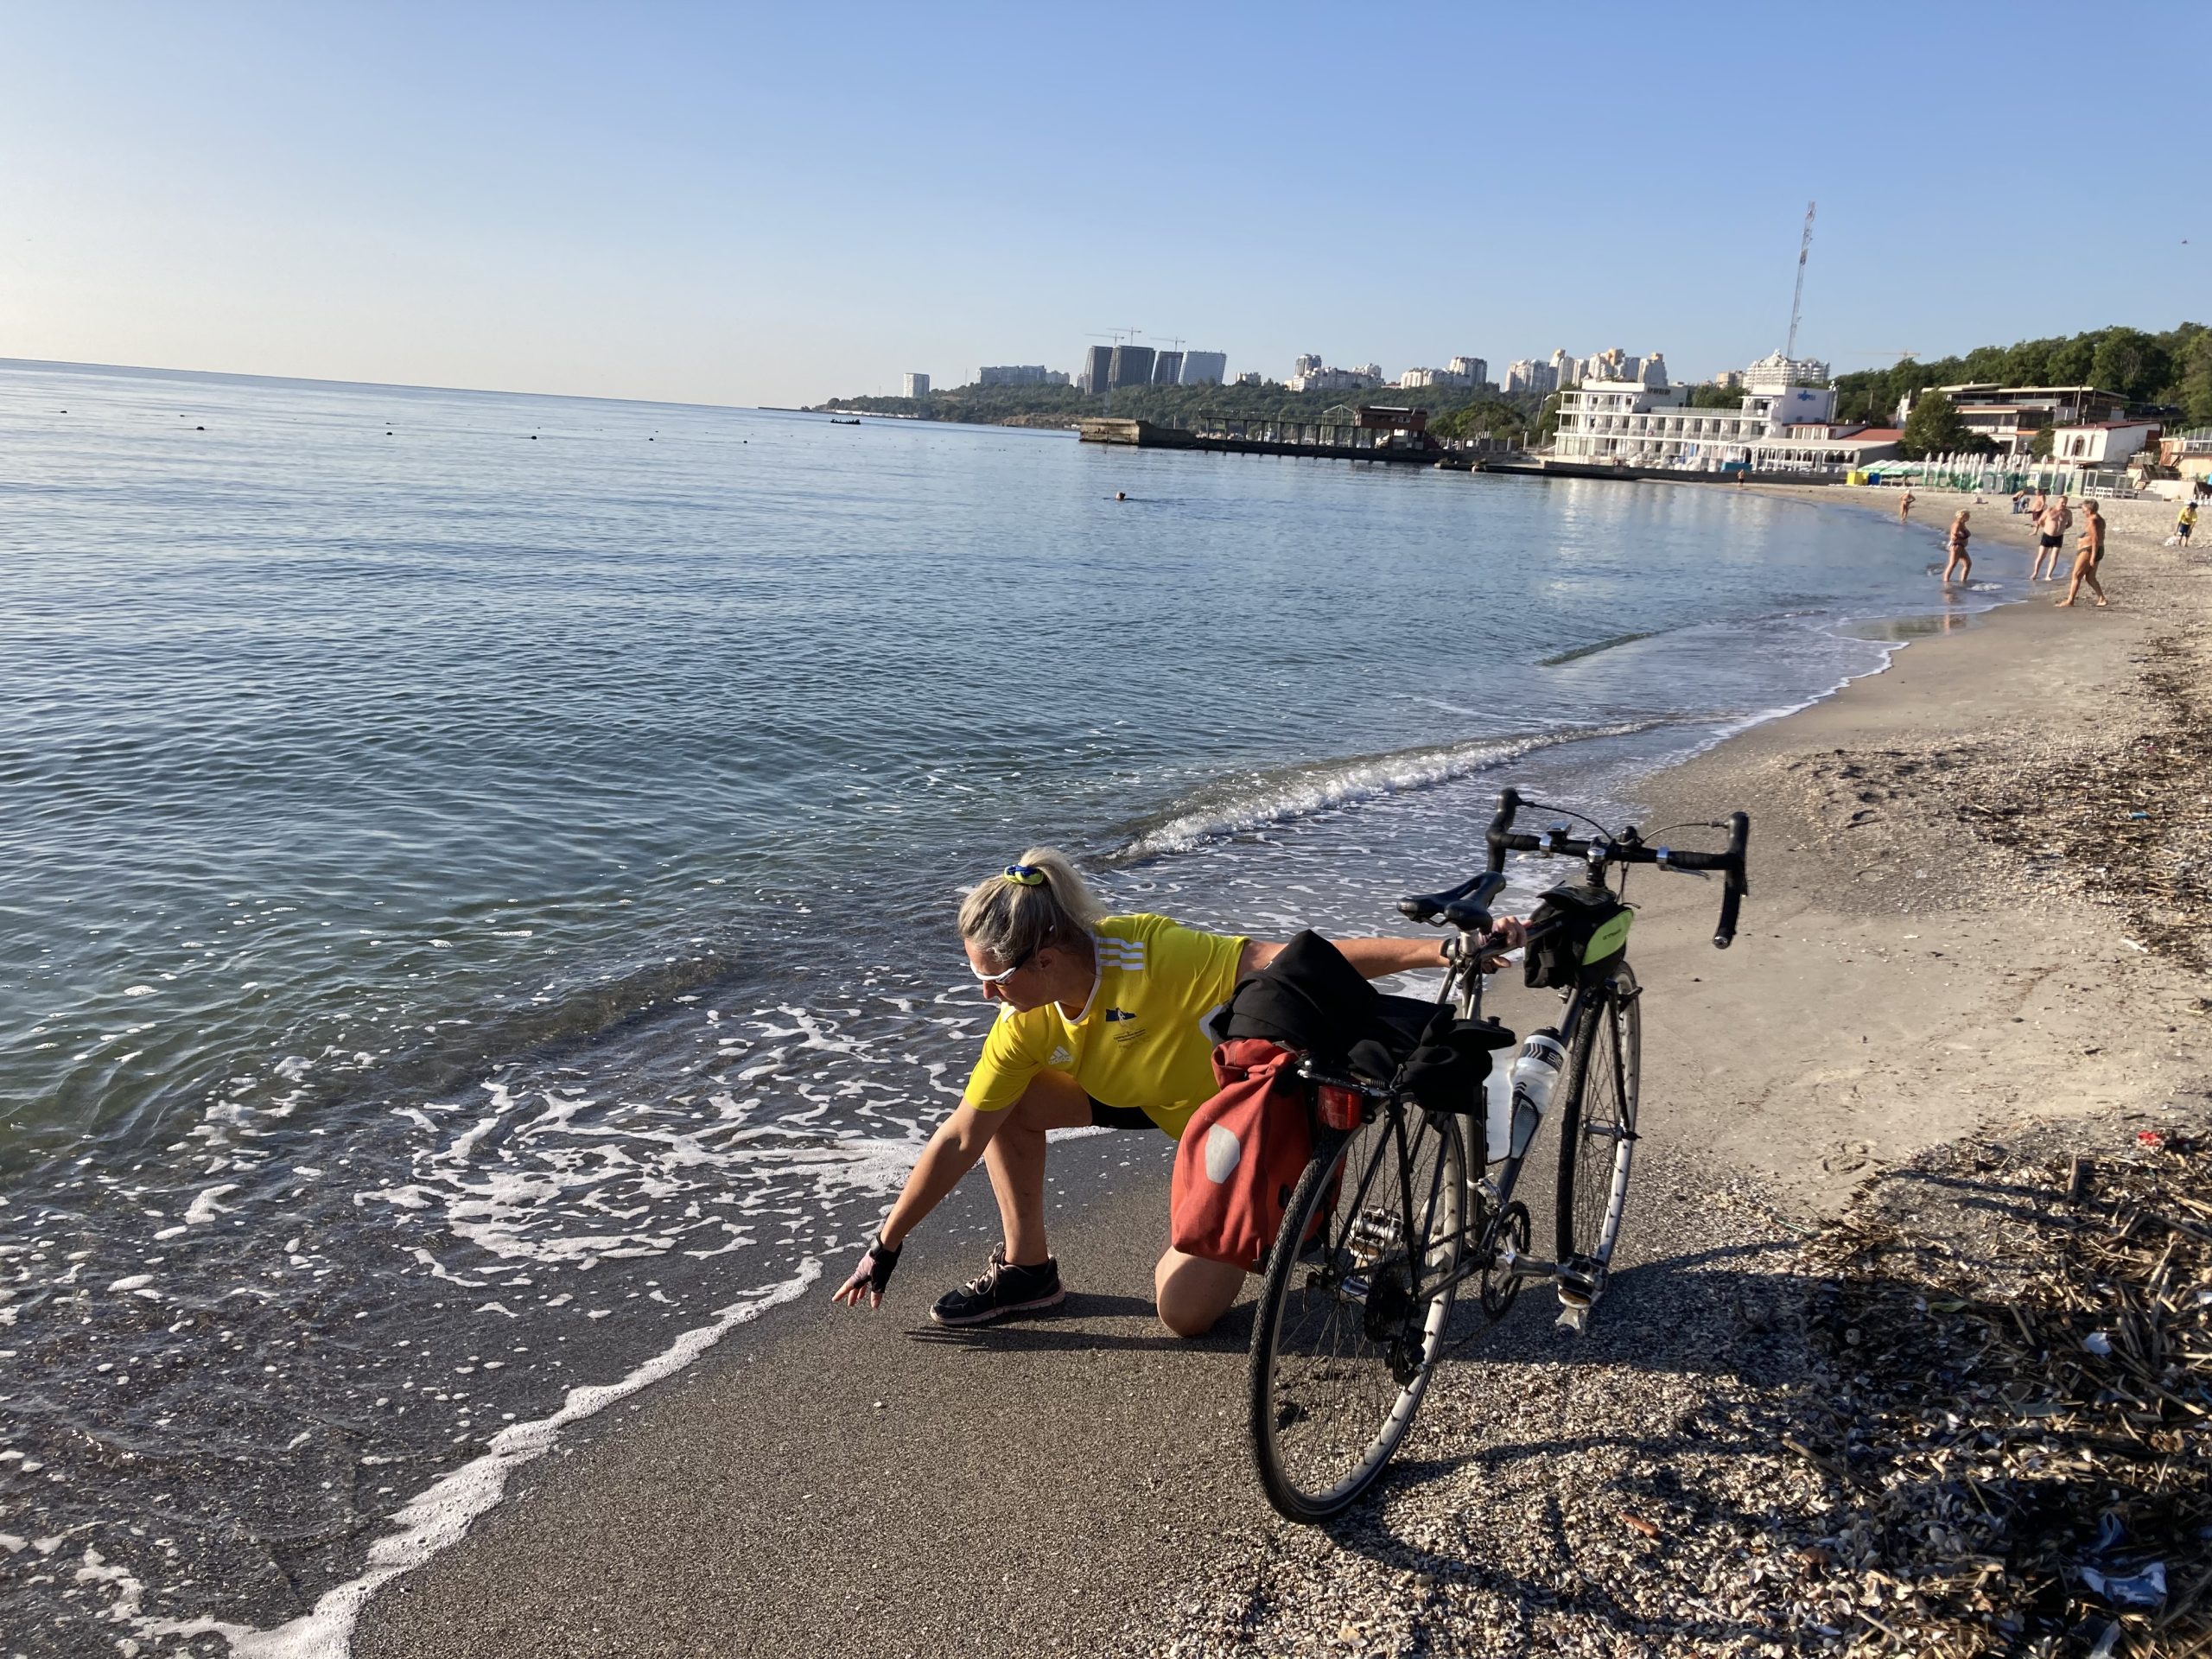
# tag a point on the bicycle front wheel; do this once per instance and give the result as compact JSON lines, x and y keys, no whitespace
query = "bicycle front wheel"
{"x":1352,"y":1312}
{"x":1597,"y":1102}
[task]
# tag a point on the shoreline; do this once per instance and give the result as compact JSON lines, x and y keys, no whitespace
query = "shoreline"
{"x":683,"y":1532}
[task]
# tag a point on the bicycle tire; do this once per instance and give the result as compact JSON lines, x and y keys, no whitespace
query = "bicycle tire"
{"x":1597,"y":1105}
{"x":1330,"y":1398}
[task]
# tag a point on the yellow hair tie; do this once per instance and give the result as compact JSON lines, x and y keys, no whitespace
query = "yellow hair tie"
{"x":1025,"y":875}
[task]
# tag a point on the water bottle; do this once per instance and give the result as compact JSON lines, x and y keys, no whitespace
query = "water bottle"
{"x":1497,"y":1115}
{"x":1535,"y":1071}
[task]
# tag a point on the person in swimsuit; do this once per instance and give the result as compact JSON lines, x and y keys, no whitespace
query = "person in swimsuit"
{"x":2050,"y":536}
{"x":1904,"y":507}
{"x":2089,"y":556}
{"x":1098,"y":1024}
{"x":1957,"y":543}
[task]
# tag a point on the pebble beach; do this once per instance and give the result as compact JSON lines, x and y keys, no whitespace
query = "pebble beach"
{"x":1968,"y":970}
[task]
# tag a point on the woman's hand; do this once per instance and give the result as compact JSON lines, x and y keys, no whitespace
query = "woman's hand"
{"x":1506,"y":933}
{"x":870,"y":1277}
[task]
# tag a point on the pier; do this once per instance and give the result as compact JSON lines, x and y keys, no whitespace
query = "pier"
{"x":1399,"y":435}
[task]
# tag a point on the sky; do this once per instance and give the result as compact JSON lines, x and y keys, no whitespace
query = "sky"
{"x":727,"y":204}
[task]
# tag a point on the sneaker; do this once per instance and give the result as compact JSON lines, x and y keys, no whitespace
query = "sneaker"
{"x":1001,"y":1290}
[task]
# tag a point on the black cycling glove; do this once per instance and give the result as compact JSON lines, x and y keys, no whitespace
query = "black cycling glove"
{"x":874,"y":1273}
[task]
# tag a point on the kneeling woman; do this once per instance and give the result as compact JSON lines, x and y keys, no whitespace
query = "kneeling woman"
{"x":1098,"y":1024}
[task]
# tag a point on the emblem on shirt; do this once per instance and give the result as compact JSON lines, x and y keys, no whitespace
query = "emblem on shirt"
{"x":1112,"y":1014}
{"x":1061,"y":1057}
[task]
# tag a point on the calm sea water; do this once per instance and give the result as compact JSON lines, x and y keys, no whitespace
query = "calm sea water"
{"x":478,"y":875}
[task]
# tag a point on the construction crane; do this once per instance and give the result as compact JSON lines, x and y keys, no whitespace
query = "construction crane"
{"x":1797,"y":299}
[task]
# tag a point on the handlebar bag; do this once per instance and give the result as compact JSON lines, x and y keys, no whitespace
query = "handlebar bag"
{"x":1241,"y":1154}
{"x":1574,"y":931}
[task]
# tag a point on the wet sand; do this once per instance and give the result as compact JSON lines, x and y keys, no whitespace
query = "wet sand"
{"x":866,"y":1485}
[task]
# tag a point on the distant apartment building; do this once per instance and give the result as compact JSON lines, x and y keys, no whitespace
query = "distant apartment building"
{"x":1131,"y":366}
{"x":1311,"y":374}
{"x":1566,"y":371}
{"x":1019,"y":374}
{"x":1098,"y":369}
{"x":1205,"y":368}
{"x":1728,"y":379}
{"x":1167,"y":369}
{"x":918,"y":385}
{"x":1471,"y":371}
{"x":1784,"y":423}
{"x":2010,"y":416}
{"x":1468,"y":372}
{"x":1775,"y":372}
{"x":1251,"y":377}
{"x":1529,"y":375}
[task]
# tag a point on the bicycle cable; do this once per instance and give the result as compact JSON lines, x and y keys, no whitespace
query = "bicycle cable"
{"x":1547,"y":806}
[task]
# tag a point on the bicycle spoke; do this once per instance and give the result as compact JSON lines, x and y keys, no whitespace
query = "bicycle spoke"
{"x":1345,"y":1339}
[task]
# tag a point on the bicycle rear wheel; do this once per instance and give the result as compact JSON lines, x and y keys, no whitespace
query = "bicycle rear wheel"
{"x":1349,"y":1326}
{"x":1596,"y":1102}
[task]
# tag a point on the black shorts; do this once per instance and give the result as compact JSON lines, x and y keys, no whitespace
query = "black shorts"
{"x":2051,"y":541}
{"x":1118,"y":1118}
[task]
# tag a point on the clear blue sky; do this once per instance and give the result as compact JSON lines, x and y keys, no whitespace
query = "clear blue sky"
{"x":737,"y":205}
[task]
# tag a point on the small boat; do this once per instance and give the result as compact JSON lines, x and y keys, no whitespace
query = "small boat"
{"x":834,"y":421}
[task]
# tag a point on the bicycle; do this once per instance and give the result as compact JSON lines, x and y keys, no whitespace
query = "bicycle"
{"x":1387,"y":1222}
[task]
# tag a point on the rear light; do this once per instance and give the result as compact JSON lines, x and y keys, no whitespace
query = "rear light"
{"x":1342,"y":1108}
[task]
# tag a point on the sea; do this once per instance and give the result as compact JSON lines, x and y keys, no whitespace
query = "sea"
{"x":479,"y":873}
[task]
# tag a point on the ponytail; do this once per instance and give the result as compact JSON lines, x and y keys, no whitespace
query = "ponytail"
{"x":1039,"y":901}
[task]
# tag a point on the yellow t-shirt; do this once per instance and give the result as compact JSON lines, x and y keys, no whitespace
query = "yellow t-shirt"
{"x":1137,"y":1044}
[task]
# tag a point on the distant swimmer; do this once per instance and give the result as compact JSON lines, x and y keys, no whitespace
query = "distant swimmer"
{"x":1121,"y":495}
{"x":1904,"y":507}
{"x":1957,"y":544}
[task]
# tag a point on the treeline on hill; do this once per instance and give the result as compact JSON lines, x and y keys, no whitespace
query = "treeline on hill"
{"x":1455,"y":411}
{"x":2169,"y":370}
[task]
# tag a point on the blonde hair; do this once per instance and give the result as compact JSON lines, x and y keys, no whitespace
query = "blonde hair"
{"x":1011,"y":920}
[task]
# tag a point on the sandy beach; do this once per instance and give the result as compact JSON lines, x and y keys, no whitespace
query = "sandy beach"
{"x":1979,"y":886}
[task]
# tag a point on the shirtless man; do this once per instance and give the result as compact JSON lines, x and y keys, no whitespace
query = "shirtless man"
{"x":1904,"y":507}
{"x":2089,"y":557}
{"x":1957,"y":543}
{"x":2050,"y":536}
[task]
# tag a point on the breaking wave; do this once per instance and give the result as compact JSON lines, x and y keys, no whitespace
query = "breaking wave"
{"x":1255,"y":800}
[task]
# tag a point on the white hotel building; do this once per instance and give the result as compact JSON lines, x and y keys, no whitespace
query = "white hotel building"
{"x":1786,"y":421}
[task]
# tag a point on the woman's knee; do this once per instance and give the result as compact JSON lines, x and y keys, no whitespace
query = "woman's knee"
{"x":1193,"y":1293}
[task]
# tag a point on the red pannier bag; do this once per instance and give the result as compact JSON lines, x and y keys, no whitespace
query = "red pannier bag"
{"x":1241,"y":1154}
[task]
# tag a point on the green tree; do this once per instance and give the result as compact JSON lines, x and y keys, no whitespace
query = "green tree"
{"x":1716,"y":397}
{"x":2194,"y":393}
{"x":1934,"y":428}
{"x":1546,"y":426}
{"x":2130,"y":362}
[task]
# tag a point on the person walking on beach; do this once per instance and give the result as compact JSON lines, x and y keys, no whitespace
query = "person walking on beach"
{"x":1904,"y":507}
{"x":2089,"y":556}
{"x":1098,"y":1025}
{"x":2185,"y":521}
{"x":2050,"y":536}
{"x":1957,"y":543}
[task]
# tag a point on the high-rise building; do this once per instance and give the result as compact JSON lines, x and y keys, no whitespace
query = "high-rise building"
{"x":1529,"y":375}
{"x":1565,"y":371}
{"x":1474,"y":370}
{"x":1308,"y":364}
{"x":1098,"y":369}
{"x":918,"y":385}
{"x":1014,"y":374}
{"x":1655,"y":371}
{"x":1205,"y":368}
{"x":1131,"y":366}
{"x":1167,"y":369}
{"x":1251,"y":377}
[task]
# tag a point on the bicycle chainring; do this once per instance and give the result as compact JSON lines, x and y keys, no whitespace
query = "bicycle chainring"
{"x":1498,"y":1286}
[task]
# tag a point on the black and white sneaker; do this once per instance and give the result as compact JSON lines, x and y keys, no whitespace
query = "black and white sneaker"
{"x":1000,"y":1291}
